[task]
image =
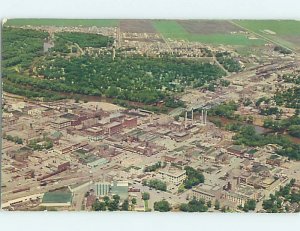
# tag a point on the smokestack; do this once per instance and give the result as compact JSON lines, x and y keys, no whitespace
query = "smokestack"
{"x":205,"y":116}
{"x":113,"y":53}
{"x":192,"y":116}
{"x":202,"y":116}
{"x":185,"y":120}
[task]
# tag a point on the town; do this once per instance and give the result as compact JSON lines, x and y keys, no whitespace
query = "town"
{"x":217,"y":150}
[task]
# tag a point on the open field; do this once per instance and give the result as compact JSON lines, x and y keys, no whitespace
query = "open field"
{"x":137,"y":26}
{"x":174,"y":30}
{"x":208,"y":26}
{"x":285,"y":32}
{"x":64,"y":22}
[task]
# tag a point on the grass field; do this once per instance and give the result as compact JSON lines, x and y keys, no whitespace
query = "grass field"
{"x":64,"y":22}
{"x":173,"y":30}
{"x":281,"y":27}
{"x":287,"y":32}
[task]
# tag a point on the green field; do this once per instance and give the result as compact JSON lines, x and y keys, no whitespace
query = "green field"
{"x":287,"y":32}
{"x":281,"y":27}
{"x":64,"y":22}
{"x":173,"y":30}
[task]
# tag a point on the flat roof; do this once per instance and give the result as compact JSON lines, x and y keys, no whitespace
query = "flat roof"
{"x":113,"y":124}
{"x":57,"y":197}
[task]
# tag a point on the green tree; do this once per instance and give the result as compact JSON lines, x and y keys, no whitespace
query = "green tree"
{"x":133,"y":201}
{"x":125,"y":205}
{"x":209,"y":204}
{"x":217,"y":205}
{"x":99,"y":206}
{"x":162,"y":206}
{"x":145,"y":196}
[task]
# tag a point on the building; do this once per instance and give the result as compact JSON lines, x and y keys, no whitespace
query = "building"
{"x":236,"y":150}
{"x":206,"y":192}
{"x":109,"y":189}
{"x":61,"y":123}
{"x":95,"y":133}
{"x":102,"y":189}
{"x":21,"y":154}
{"x":130,"y":122}
{"x":98,"y":162}
{"x":242,"y":194}
{"x":114,"y":127}
{"x":35,"y":111}
{"x":174,"y":176}
{"x":55,"y":199}
{"x":180,"y":136}
{"x":120,"y":188}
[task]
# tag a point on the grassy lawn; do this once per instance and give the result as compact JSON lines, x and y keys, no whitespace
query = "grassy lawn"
{"x":146,"y":205}
{"x":64,"y":22}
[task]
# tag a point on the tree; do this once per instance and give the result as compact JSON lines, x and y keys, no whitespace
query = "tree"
{"x":249,"y":205}
{"x":99,"y":206}
{"x":133,"y":201}
{"x":194,"y":206}
{"x":113,"y":205}
{"x":106,"y":200}
{"x":194,"y":177}
{"x":157,"y":184}
{"x":217,"y":205}
{"x":209,"y":204}
{"x":162,"y":206}
{"x":116,"y":198}
{"x":125,"y":205}
{"x":145,"y":196}
{"x":223,"y":209}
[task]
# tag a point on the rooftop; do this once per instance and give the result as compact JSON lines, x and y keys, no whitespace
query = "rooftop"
{"x":57,"y":197}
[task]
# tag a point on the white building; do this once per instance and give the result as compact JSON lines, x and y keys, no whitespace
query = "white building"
{"x":174,"y":176}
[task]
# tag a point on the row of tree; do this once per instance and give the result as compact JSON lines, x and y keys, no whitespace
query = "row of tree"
{"x":248,"y":136}
{"x":156,"y":184}
{"x":14,"y":139}
{"x":290,"y":125}
{"x":112,"y":204}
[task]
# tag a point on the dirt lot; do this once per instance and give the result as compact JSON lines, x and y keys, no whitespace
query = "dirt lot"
{"x":207,"y":26}
{"x":294,"y":39}
{"x":137,"y":26}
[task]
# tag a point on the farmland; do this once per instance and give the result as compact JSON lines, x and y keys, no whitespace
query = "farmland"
{"x":284,"y":32}
{"x":205,"y":32}
{"x":137,"y":26}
